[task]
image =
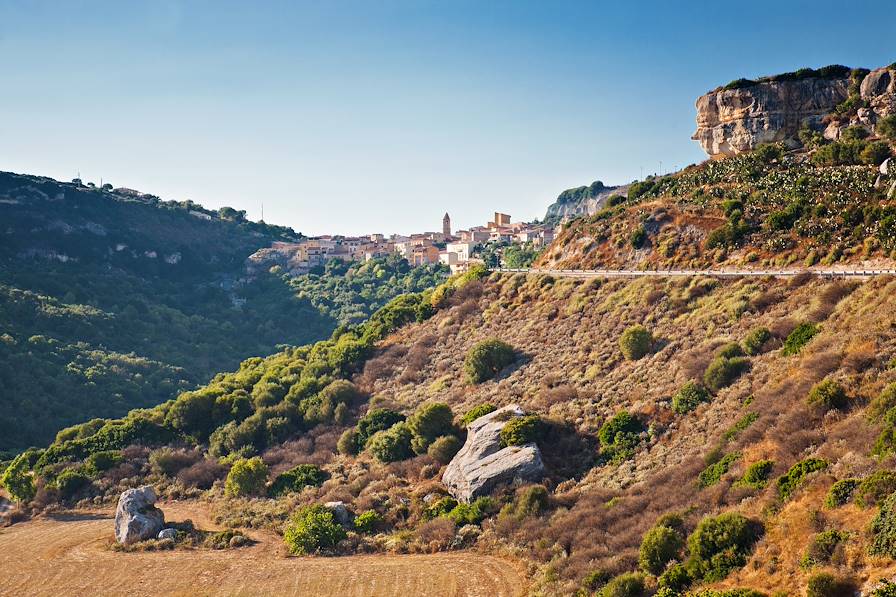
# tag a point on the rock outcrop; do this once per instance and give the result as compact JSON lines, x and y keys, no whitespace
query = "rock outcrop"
{"x":740,"y":117}
{"x":137,"y":518}
{"x":482,"y":464}
{"x":731,"y":121}
{"x":584,"y":201}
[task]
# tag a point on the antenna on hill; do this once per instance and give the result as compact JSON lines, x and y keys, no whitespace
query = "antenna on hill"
{"x":262,"y":211}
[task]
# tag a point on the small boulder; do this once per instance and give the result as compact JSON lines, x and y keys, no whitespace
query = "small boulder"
{"x":340,"y":512}
{"x":482,"y":464}
{"x":886,"y":166}
{"x":137,"y":518}
{"x":168,"y":533}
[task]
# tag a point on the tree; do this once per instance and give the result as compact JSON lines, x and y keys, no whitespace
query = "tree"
{"x":486,"y":359}
{"x":428,"y":423}
{"x":635,"y":342}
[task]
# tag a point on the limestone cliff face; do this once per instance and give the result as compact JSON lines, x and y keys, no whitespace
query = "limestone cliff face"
{"x":731,"y":121}
{"x":570,"y":204}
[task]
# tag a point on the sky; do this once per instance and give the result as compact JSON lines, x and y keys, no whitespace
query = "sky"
{"x":380,"y":116}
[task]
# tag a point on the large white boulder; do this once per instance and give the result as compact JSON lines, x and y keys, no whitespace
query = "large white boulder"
{"x":137,"y":518}
{"x":482,"y":464}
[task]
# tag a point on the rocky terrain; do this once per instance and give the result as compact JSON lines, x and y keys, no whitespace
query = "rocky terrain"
{"x":746,"y":114}
{"x":582,"y":201}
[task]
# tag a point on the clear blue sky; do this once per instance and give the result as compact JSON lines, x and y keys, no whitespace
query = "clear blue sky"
{"x":350,"y":117}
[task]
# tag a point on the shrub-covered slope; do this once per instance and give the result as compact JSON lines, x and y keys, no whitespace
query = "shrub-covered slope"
{"x":757,"y":209}
{"x":749,"y":442}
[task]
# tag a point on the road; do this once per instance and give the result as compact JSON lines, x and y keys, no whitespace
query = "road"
{"x":717,"y":273}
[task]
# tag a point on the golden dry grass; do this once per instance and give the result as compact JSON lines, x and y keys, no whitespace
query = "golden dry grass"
{"x":70,"y":555}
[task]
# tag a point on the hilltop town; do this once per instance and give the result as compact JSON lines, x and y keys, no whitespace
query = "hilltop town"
{"x":456,"y":249}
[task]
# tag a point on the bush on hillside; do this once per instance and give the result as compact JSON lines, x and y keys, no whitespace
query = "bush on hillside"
{"x":18,"y":480}
{"x":755,"y":340}
{"x":530,"y":500}
{"x":723,"y":371}
{"x":823,"y":547}
{"x":874,"y":488}
{"x":391,"y":445}
{"x":477,"y":411}
{"x":875,"y":153}
{"x":247,"y":477}
{"x":826,"y":584}
{"x":757,"y":474}
{"x":347,"y":444}
{"x":841,"y":492}
{"x":635,"y":342}
{"x":799,"y":337}
{"x":713,"y":473}
{"x":297,"y":479}
{"x":98,"y":463}
{"x":886,"y":127}
{"x":625,"y":585}
{"x":312,"y":529}
{"x":674,"y":580}
{"x":378,"y":419}
{"x":486,"y":359}
{"x":638,"y":237}
{"x":520,"y":431}
{"x":828,"y":395}
{"x":884,"y":402}
{"x":689,"y":397}
{"x":884,"y":588}
{"x":720,"y":544}
{"x":70,"y":481}
{"x":367,"y":522}
{"x":619,"y":436}
{"x":428,"y":423}
{"x":169,"y":461}
{"x":789,"y":482}
{"x":659,"y":546}
{"x":444,"y":448}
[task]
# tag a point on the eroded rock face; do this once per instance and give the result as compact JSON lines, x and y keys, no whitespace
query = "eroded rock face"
{"x":568,"y":210}
{"x":731,"y":121}
{"x":482,"y":464}
{"x":137,"y":518}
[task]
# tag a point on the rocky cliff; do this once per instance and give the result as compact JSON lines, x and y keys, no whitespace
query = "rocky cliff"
{"x":745,"y":114}
{"x":582,"y":201}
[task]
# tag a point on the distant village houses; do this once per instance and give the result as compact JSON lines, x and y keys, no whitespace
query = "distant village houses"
{"x":454,"y":249}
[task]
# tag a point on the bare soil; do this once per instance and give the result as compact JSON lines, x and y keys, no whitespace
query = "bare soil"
{"x":69,"y":554}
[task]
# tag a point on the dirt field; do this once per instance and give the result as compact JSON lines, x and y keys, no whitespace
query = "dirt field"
{"x":69,"y":555}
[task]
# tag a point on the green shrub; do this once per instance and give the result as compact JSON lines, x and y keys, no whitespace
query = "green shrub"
{"x":675,"y":579}
{"x":18,"y":480}
{"x":444,"y":448}
{"x":440,"y":507}
{"x":757,"y":474}
{"x":659,"y":546}
{"x":722,"y":372}
{"x":821,"y":549}
{"x":428,"y":423}
{"x":828,"y":395}
{"x":719,"y":545}
{"x":799,"y":337}
{"x":391,"y":445}
{"x":886,"y":127}
{"x":884,"y":402}
{"x":312,"y":529}
{"x":246,"y":477}
{"x":825,"y":584}
{"x":624,"y":585}
{"x":689,"y":397}
{"x":635,"y":342}
{"x":731,"y":350}
{"x":619,"y":436}
{"x":741,"y":424}
{"x":348,"y":443}
{"x":70,"y":481}
{"x":727,"y":593}
{"x":486,"y":359}
{"x":595,"y":580}
{"x":875,"y":153}
{"x":638,"y":237}
{"x":475,"y":513}
{"x":367,"y":522}
{"x":530,"y":500}
{"x":520,"y":431}
{"x":170,"y":461}
{"x":755,"y":340}
{"x":297,"y":479}
{"x":790,"y":481}
{"x":378,"y":419}
{"x":713,"y":473}
{"x":477,"y":411}
{"x":874,"y":488}
{"x":841,"y":492}
{"x":100,"y":462}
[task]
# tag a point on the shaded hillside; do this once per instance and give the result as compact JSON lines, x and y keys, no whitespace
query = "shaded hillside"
{"x":111,"y":300}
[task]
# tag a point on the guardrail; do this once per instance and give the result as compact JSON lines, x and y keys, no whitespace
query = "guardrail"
{"x":718,"y":273}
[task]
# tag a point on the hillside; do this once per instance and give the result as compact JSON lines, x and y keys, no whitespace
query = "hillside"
{"x":655,"y":436}
{"x":112,"y":300}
